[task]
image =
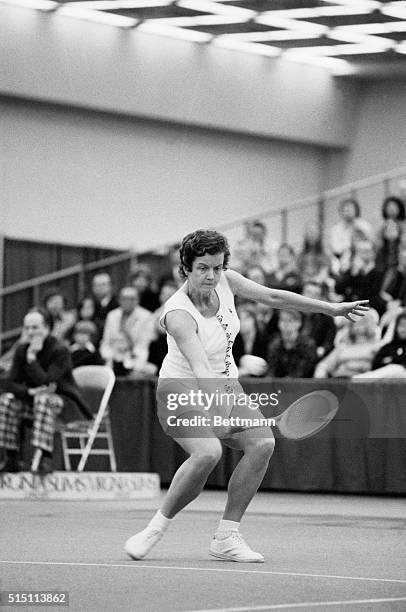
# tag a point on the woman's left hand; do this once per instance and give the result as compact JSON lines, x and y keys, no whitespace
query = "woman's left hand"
{"x":350,"y":310}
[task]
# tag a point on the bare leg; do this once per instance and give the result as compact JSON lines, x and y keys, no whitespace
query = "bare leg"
{"x":249,"y":472}
{"x":191,"y":477}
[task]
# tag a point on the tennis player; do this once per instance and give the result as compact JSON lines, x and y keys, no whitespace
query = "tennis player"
{"x":201,"y":323}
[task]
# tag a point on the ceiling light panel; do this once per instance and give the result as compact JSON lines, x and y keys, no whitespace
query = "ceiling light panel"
{"x":41,"y":5}
{"x":115,"y":5}
{"x":289,"y":24}
{"x":156,"y":26}
{"x":373,"y":28}
{"x":207,"y":6}
{"x":97,"y":16}
{"x":231,"y":42}
{"x":395,"y":9}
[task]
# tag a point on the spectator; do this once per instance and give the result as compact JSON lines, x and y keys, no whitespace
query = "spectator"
{"x":394,"y":282}
{"x":351,"y":227}
{"x":141,"y":279}
{"x":105,"y":299}
{"x":129,"y":325}
{"x":253,"y":249}
{"x":317,"y":326}
{"x":83,"y":350}
{"x":390,"y":233}
{"x":85,"y":311}
{"x":257,"y":274}
{"x":266,"y":319}
{"x":249,"y":340}
{"x":174,"y":263}
{"x":314,"y":264}
{"x":390,"y":360}
{"x":356,"y":350}
{"x":286,"y":275}
{"x":158,"y":347}
{"x":362,"y":281}
{"x":291,"y":353}
{"x":61,"y":320}
{"x":39,"y":386}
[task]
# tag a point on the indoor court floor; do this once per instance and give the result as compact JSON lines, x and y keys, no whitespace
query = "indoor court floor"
{"x":323,"y":552}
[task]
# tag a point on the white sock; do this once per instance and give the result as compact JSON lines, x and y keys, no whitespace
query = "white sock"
{"x":227,"y":526}
{"x":159,"y":521}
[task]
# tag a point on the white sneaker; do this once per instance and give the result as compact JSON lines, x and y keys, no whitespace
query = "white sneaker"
{"x":232,"y":547}
{"x":139,"y":545}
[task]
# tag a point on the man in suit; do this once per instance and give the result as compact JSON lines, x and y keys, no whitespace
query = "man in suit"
{"x":38,"y":388}
{"x":128,"y":332}
{"x":105,"y":300}
{"x":320,"y":327}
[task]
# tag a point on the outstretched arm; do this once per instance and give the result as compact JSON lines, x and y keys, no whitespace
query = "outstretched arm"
{"x":279,"y":298}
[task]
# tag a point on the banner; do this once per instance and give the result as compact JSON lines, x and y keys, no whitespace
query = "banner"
{"x":79,"y":485}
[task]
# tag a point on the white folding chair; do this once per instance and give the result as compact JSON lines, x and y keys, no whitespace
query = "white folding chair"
{"x":97,"y":383}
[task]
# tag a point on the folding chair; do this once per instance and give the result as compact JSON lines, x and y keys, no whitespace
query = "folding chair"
{"x":96,"y":383}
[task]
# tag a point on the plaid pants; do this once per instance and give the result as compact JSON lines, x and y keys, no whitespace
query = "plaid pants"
{"x":43,"y":413}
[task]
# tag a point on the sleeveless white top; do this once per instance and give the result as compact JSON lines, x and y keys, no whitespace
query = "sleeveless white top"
{"x":216,"y":333}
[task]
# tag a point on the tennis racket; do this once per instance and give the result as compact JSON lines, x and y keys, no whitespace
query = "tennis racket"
{"x":307,"y":415}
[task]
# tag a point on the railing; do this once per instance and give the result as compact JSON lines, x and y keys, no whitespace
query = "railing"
{"x":321,"y":208}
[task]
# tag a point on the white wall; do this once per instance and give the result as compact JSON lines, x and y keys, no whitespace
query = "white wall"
{"x":87,"y":178}
{"x":379,"y":142}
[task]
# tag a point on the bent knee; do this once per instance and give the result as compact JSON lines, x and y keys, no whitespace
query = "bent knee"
{"x":209,"y":457}
{"x":263,"y":446}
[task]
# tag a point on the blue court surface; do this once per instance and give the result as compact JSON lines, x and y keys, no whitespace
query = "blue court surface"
{"x":323,"y":552}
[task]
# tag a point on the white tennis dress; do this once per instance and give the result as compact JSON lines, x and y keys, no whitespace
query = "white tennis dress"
{"x":216,"y":333}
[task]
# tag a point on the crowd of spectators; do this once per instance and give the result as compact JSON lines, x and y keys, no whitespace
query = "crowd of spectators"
{"x":120,"y":326}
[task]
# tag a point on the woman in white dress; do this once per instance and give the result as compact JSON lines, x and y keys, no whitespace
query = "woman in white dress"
{"x":201,"y":323}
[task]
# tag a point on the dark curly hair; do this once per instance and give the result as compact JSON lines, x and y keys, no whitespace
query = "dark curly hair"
{"x":352,"y":201}
{"x":399,"y":204}
{"x":197,"y":244}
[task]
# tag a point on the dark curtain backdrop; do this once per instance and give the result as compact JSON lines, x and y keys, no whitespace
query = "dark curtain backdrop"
{"x":25,"y":259}
{"x":339,"y":459}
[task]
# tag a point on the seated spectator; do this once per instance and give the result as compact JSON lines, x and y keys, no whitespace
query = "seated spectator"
{"x":390,"y":233}
{"x":39,"y":387}
{"x":121,"y":359}
{"x":105,"y":299}
{"x":254,"y":249}
{"x":83,"y":350}
{"x":158,"y":347}
{"x":342,"y":234}
{"x":257,"y":274}
{"x":85,"y":311}
{"x":390,"y":360}
{"x":286,"y":275}
{"x":362,"y":281}
{"x":313,"y":262}
{"x":321,"y":328}
{"x":132,"y":323}
{"x":61,"y":319}
{"x":141,"y":279}
{"x":291,"y":353}
{"x":394,"y":282}
{"x":249,"y":340}
{"x":356,"y":350}
{"x":174,"y":262}
{"x":266,"y":320}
